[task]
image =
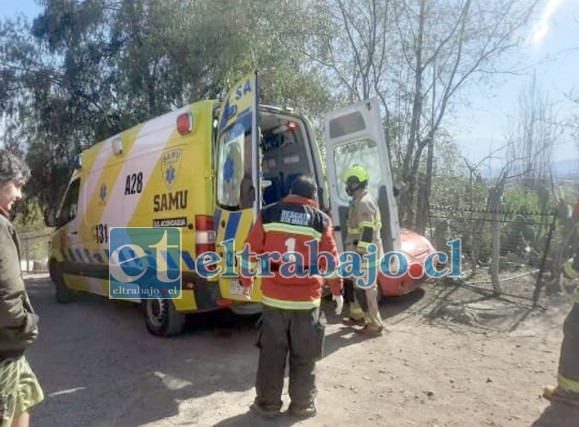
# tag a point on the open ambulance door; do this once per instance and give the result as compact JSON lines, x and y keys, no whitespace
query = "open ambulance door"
{"x":238,"y":172}
{"x":355,"y":135}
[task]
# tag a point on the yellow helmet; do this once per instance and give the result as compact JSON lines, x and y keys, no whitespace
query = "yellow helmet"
{"x":357,"y":172}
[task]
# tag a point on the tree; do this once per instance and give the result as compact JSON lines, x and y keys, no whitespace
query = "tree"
{"x":534,"y":134}
{"x":86,"y":70}
{"x":415,"y":55}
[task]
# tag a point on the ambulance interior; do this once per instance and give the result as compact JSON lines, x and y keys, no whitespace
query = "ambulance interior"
{"x":285,"y":153}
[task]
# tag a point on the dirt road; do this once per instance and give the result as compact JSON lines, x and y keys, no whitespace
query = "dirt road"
{"x":100,"y":368}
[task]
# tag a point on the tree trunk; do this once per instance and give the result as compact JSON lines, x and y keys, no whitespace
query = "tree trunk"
{"x":423,"y":202}
{"x":422,"y":205}
{"x":408,"y":202}
{"x":495,"y":201}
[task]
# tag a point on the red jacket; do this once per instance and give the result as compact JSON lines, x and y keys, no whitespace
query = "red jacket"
{"x":287,"y":226}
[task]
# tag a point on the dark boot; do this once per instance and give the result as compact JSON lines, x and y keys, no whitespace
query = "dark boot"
{"x":264,"y":411}
{"x":351,"y":321}
{"x":306,"y":412}
{"x":555,"y":394}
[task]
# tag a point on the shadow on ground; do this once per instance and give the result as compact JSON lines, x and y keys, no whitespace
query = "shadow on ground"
{"x":558,"y":415}
{"x":99,"y":366}
{"x":249,"y":419}
{"x":453,"y":302}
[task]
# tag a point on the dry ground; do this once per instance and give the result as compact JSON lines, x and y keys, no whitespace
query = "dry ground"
{"x":438,"y":365}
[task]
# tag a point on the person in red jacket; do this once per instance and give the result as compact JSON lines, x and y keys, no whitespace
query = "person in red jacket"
{"x":292,"y":321}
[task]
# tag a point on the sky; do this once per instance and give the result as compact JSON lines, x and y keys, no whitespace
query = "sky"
{"x":12,"y":8}
{"x":551,"y":51}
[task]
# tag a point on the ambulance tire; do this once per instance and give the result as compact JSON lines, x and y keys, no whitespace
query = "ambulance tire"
{"x":162,"y":319}
{"x":63,"y":295}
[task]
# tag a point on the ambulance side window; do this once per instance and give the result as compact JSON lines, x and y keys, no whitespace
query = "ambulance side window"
{"x":234,"y":183}
{"x":70,"y":204}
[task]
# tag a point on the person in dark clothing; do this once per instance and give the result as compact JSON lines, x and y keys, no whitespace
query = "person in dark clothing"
{"x":567,"y":390}
{"x":292,"y":321}
{"x":19,"y":388}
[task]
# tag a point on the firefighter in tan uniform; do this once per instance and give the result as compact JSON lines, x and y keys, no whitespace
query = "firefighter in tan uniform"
{"x":567,"y":390}
{"x":364,"y":227}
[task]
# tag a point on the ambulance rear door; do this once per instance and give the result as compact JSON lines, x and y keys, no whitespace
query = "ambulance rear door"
{"x":238,"y":171}
{"x":355,"y":135}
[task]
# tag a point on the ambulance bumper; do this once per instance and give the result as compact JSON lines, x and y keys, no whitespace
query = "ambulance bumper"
{"x":246,"y":308}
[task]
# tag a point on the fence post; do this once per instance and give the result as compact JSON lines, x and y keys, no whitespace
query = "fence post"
{"x":495,"y":200}
{"x":539,"y":284}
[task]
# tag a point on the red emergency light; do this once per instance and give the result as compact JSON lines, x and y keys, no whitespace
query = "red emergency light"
{"x":185,"y":123}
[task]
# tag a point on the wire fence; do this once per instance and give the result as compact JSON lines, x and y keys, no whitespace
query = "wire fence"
{"x":520,"y":241}
{"x":34,"y":250}
{"x":529,"y":247}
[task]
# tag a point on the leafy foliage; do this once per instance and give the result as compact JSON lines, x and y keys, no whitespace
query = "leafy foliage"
{"x":85,"y":70}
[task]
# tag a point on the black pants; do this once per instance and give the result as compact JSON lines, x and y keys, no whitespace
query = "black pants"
{"x":353,"y":293}
{"x":299,"y":333}
{"x":569,"y":360}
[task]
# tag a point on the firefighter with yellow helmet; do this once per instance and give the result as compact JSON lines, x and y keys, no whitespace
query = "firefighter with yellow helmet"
{"x":364,"y":227}
{"x":567,"y":390}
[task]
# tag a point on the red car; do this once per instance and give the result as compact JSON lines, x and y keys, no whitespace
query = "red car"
{"x":416,"y":248}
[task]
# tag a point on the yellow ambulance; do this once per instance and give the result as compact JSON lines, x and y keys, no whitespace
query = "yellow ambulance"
{"x":207,"y":168}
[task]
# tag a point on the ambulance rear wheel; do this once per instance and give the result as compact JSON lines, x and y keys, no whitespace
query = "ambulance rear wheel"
{"x":162,"y":319}
{"x":63,"y":294}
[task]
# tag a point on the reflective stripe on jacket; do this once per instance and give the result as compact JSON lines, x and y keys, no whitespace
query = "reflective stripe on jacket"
{"x":290,"y":226}
{"x":364,"y":224}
